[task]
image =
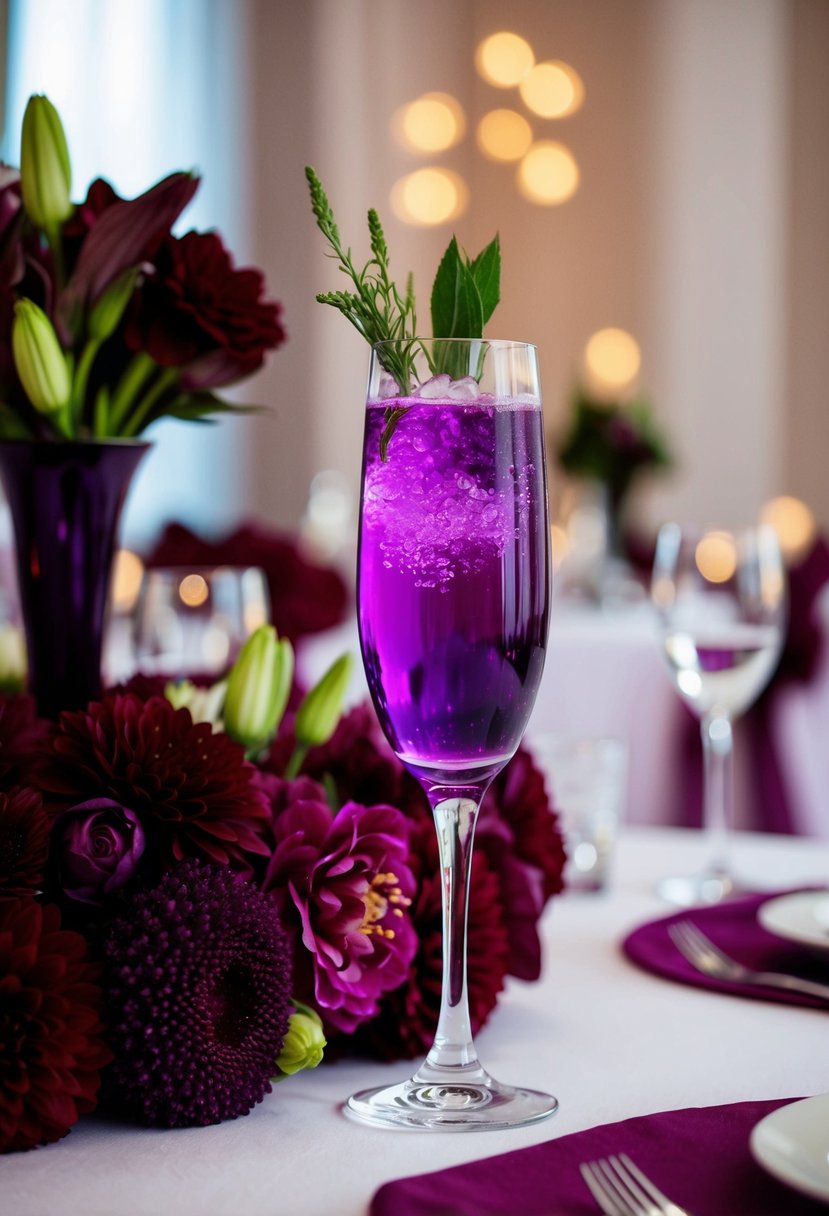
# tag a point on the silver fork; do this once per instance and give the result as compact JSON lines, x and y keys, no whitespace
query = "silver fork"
{"x":701,"y":953}
{"x":621,"y":1189}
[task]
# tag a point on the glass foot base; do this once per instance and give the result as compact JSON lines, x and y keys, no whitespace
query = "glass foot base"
{"x":707,"y":888}
{"x":450,"y":1105}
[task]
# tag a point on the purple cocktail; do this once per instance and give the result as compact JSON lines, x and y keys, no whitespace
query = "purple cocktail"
{"x":453,"y":600}
{"x":453,"y":581}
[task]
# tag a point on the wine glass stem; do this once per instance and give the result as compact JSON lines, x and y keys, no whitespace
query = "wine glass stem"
{"x":718,"y":796}
{"x":455,"y":818}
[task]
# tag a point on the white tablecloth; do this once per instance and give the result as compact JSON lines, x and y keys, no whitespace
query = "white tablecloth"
{"x":608,"y":1039}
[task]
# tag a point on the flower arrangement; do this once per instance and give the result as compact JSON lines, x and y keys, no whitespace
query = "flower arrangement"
{"x":612,"y":442}
{"x":190,"y":908}
{"x":108,"y":321}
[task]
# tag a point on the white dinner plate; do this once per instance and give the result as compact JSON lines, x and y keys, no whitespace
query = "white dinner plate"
{"x":792,"y":1143}
{"x":801,"y":917}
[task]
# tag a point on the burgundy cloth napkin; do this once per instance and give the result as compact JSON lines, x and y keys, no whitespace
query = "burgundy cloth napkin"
{"x":733,"y":926}
{"x":699,"y":1156}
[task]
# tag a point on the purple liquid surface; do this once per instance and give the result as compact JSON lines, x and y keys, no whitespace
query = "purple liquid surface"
{"x":453,"y":582}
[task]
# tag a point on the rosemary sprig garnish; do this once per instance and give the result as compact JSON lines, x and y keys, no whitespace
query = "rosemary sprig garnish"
{"x":375,"y":307}
{"x":464,"y":295}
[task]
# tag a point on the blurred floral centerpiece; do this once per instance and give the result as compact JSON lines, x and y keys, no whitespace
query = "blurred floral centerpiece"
{"x":610,"y":444}
{"x":108,"y":322}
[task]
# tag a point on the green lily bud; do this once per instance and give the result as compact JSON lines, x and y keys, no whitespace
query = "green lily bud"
{"x":258,"y":688}
{"x":304,"y":1043}
{"x":108,"y":309}
{"x":45,"y":170}
{"x":319,"y":713}
{"x":205,"y":704}
{"x":39,"y":359}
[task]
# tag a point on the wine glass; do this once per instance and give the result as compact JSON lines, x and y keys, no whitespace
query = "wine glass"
{"x":192,"y":621}
{"x":453,"y":603}
{"x":721,"y":601}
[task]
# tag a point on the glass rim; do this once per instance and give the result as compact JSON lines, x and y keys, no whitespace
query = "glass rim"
{"x":497,"y":343}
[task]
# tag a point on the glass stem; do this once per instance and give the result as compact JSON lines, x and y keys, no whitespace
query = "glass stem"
{"x":453,"y":1049}
{"x":718,"y":796}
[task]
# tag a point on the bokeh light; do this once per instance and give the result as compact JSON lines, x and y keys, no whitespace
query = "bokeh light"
{"x":431,"y":123}
{"x":504,"y":135}
{"x":193,"y":590}
{"x":429,"y":196}
{"x":504,"y":59}
{"x":794,"y":523}
{"x":716,"y":557}
{"x":127,"y":573}
{"x":611,"y":361}
{"x":548,"y":174}
{"x":552,"y":90}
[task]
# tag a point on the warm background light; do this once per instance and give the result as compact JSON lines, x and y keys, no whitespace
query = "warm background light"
{"x":127,"y":572}
{"x":794,"y":523}
{"x":611,"y":361}
{"x":429,"y":196}
{"x":716,"y":557}
{"x":503,"y":59}
{"x":193,"y":590}
{"x":504,"y":135}
{"x":559,"y":544}
{"x":548,"y":174}
{"x":431,"y":123}
{"x":552,"y":90}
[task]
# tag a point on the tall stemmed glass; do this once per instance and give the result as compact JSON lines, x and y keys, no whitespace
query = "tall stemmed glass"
{"x":453,"y":602}
{"x":721,"y":601}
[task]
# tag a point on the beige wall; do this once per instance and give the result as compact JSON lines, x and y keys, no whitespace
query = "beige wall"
{"x":700,"y":224}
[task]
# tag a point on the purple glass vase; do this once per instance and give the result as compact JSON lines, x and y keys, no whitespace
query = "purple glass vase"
{"x":66,"y":500}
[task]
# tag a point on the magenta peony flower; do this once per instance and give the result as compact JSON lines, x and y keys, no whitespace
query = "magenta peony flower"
{"x":51,"y":1035}
{"x":24,"y":842}
{"x":97,"y":846}
{"x":351,"y":887}
{"x":192,"y":790}
{"x":197,"y":983}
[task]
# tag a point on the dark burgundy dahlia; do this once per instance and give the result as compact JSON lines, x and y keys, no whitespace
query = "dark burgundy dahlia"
{"x":24,"y":842}
{"x":51,"y":1036}
{"x":197,"y":982}
{"x":23,"y":736}
{"x":192,"y":790}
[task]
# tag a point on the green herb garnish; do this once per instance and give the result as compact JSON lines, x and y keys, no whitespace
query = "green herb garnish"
{"x":464,"y":295}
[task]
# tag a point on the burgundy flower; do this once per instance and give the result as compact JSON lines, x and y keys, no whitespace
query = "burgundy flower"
{"x":98,"y":845}
{"x":193,"y":791}
{"x":24,"y":842}
{"x":519,"y":833}
{"x":351,"y":887}
{"x":23,"y":737}
{"x":197,"y":982}
{"x":51,"y":1044}
{"x":11,"y":224}
{"x":198,"y":311}
{"x":305,"y":598}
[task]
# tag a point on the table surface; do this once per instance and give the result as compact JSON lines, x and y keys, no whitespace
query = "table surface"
{"x":609,"y":1040}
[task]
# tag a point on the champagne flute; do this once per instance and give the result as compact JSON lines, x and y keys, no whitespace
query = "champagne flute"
{"x":721,"y":601}
{"x":453,"y":603}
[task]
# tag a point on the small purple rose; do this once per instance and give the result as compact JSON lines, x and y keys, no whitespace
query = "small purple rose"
{"x":99,"y":844}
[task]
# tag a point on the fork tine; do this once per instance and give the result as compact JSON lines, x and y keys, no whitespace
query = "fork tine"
{"x":645,"y":1183}
{"x":600,"y":1191}
{"x":702,"y":944}
{"x":626,"y":1188}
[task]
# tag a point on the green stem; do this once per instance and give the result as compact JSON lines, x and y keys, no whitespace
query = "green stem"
{"x":141,"y":415}
{"x":133,"y":379}
{"x":82,"y":371}
{"x":295,"y":763}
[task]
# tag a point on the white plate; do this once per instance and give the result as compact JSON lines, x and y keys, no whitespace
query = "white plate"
{"x":792,"y":1143}
{"x":801,"y":917}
